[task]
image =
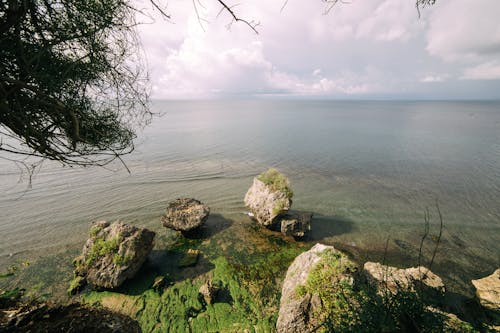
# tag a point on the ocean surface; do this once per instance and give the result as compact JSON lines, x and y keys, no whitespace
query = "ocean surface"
{"x":368,"y":170}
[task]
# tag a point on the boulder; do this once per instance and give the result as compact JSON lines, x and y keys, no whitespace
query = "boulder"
{"x":295,"y":224}
{"x":395,"y":279}
{"x":269,"y":197}
{"x":488,"y":291}
{"x":113,"y":253}
{"x":300,"y":311}
{"x":185,"y":214}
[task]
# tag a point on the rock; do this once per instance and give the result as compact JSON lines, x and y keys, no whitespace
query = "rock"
{"x":296,"y":224}
{"x":395,"y":279}
{"x":209,"y":292}
{"x":44,"y":317}
{"x":113,"y":253}
{"x":185,"y":214}
{"x":190,"y":258}
{"x":298,"y":310}
{"x":159,"y":283}
{"x":488,"y":291}
{"x":269,"y":197}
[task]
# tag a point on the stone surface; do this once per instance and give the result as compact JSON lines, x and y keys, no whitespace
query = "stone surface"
{"x":77,"y":318}
{"x":265,"y":203}
{"x":488,"y":291}
{"x":294,"y":309}
{"x":185,"y":214}
{"x":113,"y":253}
{"x":296,"y":224}
{"x":414,"y":278}
{"x":159,"y":282}
{"x":209,"y":292}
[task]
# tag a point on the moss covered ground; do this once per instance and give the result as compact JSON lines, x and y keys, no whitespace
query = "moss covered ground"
{"x":247,"y":263}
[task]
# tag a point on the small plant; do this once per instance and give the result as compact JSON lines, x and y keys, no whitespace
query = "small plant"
{"x":122,"y":260}
{"x":101,"y":247}
{"x":276,"y":181}
{"x":278,"y":208}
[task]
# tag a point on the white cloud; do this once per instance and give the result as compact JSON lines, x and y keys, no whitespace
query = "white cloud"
{"x":464,"y":30}
{"x":433,"y":78}
{"x":486,"y":71}
{"x":361,"y":47}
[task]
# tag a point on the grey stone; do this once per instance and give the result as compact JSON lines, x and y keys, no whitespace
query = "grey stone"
{"x":113,"y":253}
{"x":185,"y":214}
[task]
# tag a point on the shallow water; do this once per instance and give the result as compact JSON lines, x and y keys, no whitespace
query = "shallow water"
{"x":367,"y":170}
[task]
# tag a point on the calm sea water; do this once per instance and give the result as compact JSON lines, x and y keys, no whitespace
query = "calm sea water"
{"x":367,"y":170}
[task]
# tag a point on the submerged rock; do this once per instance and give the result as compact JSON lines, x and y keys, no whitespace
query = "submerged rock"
{"x":190,"y":258}
{"x":488,"y":291}
{"x":113,"y":253}
{"x":295,"y":224}
{"x":395,"y":279}
{"x":269,"y":197}
{"x":185,"y":214}
{"x":300,"y":307}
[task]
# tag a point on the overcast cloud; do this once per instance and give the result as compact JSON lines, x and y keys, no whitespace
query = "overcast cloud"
{"x":364,"y":49}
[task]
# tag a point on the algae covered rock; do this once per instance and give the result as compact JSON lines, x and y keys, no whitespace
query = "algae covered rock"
{"x":269,"y":196}
{"x":488,"y":291}
{"x":394,"y":279}
{"x":312,"y":282}
{"x":185,"y":214}
{"x":113,"y":253}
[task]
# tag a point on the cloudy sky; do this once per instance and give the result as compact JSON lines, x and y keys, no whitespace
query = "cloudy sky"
{"x":359,"y":50}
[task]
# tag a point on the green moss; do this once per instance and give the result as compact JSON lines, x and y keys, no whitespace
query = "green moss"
{"x":94,"y":230}
{"x":276,"y":181}
{"x":102,"y":247}
{"x":75,"y":285}
{"x":347,"y":307}
{"x":278,"y":208}
{"x":122,"y":260}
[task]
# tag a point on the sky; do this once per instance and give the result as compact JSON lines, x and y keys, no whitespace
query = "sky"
{"x":361,"y":49}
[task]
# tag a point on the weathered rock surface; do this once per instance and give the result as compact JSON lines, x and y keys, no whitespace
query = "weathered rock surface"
{"x":266,"y":203}
{"x":295,"y":224}
{"x":209,"y":292}
{"x":395,"y":279}
{"x":113,"y":253}
{"x":42,"y":318}
{"x":185,"y":214}
{"x":488,"y":291}
{"x":295,"y":310}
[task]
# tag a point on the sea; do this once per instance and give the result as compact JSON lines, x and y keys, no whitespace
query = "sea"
{"x":369,"y":171}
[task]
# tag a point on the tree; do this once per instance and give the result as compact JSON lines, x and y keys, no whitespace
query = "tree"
{"x":72,"y":85}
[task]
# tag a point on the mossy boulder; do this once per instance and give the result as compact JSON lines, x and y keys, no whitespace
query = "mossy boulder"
{"x":314,"y":282}
{"x":113,"y":253}
{"x":269,"y":197}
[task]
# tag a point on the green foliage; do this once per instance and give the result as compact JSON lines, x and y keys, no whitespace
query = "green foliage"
{"x":102,"y":247}
{"x":276,"y":181}
{"x":71,"y":82}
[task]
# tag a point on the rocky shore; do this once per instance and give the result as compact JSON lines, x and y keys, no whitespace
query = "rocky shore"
{"x":261,"y":276}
